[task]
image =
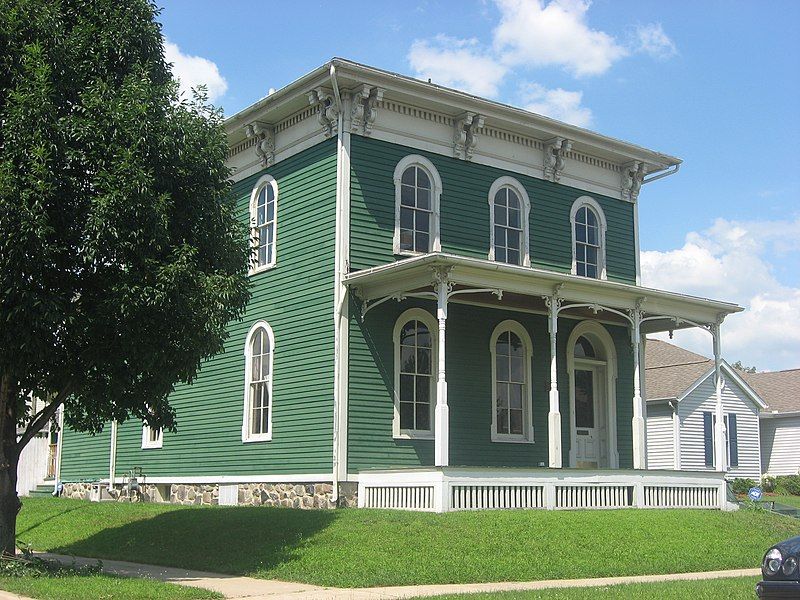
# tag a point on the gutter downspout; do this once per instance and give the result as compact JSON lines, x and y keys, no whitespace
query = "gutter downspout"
{"x":662,"y":174}
{"x":112,"y":462}
{"x":337,"y":301}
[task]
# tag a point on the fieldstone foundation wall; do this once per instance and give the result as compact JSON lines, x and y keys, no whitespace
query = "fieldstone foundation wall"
{"x":290,"y":495}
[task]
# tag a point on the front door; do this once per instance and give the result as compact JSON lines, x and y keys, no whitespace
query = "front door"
{"x":587,"y":430}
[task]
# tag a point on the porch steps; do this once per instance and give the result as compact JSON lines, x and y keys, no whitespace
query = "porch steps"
{"x":42,"y":490}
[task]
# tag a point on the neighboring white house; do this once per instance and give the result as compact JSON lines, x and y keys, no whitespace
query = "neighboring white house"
{"x":681,"y":405}
{"x":780,"y":422}
{"x":37,"y":463}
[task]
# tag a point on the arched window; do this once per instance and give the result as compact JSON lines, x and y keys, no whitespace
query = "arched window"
{"x":588,"y":238}
{"x":584,"y":348}
{"x":259,"y":352}
{"x":263,"y":223}
{"x":509,"y":212}
{"x":415,"y":374}
{"x":417,"y":191}
{"x":512,"y":408}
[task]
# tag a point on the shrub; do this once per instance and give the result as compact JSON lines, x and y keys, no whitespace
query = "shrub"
{"x":788,"y":484}
{"x":741,"y":485}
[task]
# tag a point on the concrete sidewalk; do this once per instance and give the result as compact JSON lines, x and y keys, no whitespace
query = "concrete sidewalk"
{"x":249,"y":588}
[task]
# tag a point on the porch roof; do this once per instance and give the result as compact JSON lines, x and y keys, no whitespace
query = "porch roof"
{"x":525,"y":287}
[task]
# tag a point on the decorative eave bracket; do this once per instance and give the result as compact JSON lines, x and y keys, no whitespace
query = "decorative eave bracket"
{"x":327,"y":111}
{"x":632,"y":177}
{"x":365,"y":108}
{"x":555,"y":154}
{"x":264,"y":134}
{"x":466,"y":135}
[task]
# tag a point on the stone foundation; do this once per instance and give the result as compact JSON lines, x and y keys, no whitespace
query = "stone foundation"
{"x":289,"y":495}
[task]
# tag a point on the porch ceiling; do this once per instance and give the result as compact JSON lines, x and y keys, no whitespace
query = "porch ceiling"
{"x":524,"y":287}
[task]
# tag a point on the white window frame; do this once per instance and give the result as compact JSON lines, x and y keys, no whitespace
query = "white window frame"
{"x":148,"y":443}
{"x":527,"y":416}
{"x":415,"y":314}
{"x":601,"y":221}
{"x":434,"y":244}
{"x":248,"y":437}
{"x":519,"y":190}
{"x":264,"y":180}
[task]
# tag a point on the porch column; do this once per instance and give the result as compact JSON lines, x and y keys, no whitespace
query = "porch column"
{"x":720,"y":446}
{"x":554,"y":416}
{"x":638,"y":424}
{"x":442,"y":424}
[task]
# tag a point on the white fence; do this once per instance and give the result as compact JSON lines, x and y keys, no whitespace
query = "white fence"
{"x":450,"y":488}
{"x":32,"y":468}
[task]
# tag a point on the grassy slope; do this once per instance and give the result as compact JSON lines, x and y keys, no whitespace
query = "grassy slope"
{"x":789,"y":500}
{"x":355,"y":548}
{"x":100,"y":587}
{"x":740,"y":587}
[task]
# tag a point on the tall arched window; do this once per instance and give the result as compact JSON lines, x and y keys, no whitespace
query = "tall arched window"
{"x":509,"y":212}
{"x":512,"y":405}
{"x":263,"y":223}
{"x":415,"y":374}
{"x":259,"y":352}
{"x":588,"y":238}
{"x":417,"y":191}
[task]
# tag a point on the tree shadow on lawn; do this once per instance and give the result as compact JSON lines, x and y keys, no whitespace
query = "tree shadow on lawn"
{"x":233,"y":540}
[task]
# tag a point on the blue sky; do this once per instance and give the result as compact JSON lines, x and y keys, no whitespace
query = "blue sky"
{"x":715,"y":83}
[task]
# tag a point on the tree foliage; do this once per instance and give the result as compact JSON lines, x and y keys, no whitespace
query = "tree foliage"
{"x":121,"y":259}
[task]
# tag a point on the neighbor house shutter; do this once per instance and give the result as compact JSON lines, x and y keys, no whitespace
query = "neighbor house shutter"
{"x":733,"y":442}
{"x":708,"y":438}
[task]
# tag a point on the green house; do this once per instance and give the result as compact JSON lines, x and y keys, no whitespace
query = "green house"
{"x":447,"y":313}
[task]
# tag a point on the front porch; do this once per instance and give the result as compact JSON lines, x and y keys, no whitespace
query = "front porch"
{"x":444,"y":489}
{"x":578,"y":387}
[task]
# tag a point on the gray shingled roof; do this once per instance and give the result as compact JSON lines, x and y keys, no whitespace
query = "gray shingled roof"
{"x":779,"y":389}
{"x":670,"y":370}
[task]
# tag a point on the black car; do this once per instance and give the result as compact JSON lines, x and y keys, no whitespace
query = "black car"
{"x":781,"y":571}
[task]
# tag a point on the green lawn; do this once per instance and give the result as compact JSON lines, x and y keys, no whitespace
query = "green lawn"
{"x":739,"y":587}
{"x":790,"y":500}
{"x":100,"y":587}
{"x":359,"y":548}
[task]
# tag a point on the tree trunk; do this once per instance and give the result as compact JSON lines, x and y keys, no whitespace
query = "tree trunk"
{"x":9,"y":506}
{"x":9,"y":501}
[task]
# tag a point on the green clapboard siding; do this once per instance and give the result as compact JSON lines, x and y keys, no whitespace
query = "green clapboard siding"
{"x":296,"y":299}
{"x":469,"y":380}
{"x":85,"y":457}
{"x":465,"y":212}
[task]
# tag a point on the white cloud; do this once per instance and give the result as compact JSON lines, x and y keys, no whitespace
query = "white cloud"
{"x":733,"y":260}
{"x":457,"y":63}
{"x":535,"y":34}
{"x":193,"y":71}
{"x":557,"y":103}
{"x":651,"y":39}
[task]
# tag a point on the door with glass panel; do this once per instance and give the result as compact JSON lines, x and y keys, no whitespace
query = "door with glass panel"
{"x":587,"y":417}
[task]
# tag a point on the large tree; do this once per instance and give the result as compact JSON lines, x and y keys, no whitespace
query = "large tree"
{"x":121,"y":259}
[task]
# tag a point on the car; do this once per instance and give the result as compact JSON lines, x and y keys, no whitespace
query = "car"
{"x":781,"y":571}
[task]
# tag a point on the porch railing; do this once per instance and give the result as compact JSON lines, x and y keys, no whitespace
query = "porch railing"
{"x":446,"y":488}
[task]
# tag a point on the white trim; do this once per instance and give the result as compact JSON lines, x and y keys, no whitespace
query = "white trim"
{"x":519,"y":189}
{"x":211,"y":479}
{"x":112,"y":453}
{"x":593,"y":329}
{"x":601,"y":217}
{"x":527,"y":415}
{"x":436,"y":182}
{"x":246,"y":435}
{"x":636,"y":245}
{"x":430,"y":322}
{"x":262,"y":182}
{"x":60,"y":445}
{"x":146,"y":442}
{"x":749,"y":392}
{"x":676,"y":436}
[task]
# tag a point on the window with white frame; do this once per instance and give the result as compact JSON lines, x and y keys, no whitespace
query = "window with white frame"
{"x":588,"y":238}
{"x":509,"y":211}
{"x":418,"y":188}
{"x":511,"y":351}
{"x":415,"y":374}
{"x":152,"y":437}
{"x":263,"y":220}
{"x":259,"y":354}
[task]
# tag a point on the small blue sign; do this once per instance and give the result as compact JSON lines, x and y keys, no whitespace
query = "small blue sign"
{"x":755,"y":494}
